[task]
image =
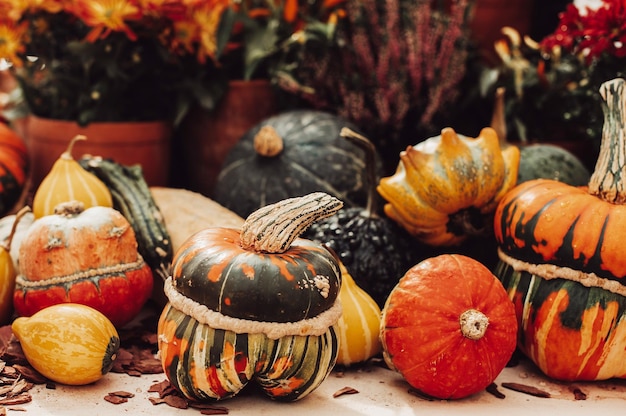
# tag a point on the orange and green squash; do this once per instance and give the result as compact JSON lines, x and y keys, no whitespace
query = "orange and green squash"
{"x":14,"y":166}
{"x":448,"y":327}
{"x":86,"y":256}
{"x":446,"y":188}
{"x":562,"y":262}
{"x":257,"y":304}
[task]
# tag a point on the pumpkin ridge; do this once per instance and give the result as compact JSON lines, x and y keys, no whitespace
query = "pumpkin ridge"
{"x":316,"y":325}
{"x":101,"y":272}
{"x":552,"y":271}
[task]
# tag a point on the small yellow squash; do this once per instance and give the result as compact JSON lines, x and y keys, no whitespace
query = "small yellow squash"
{"x":68,"y":343}
{"x":68,"y":181}
{"x":359,"y":325}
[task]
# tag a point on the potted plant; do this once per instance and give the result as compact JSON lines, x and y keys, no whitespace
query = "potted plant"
{"x":553,"y":84}
{"x":96,"y":63}
{"x":268,"y":36}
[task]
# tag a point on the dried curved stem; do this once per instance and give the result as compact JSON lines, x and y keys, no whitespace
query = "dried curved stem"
{"x":273,"y":228}
{"x":608,"y":180}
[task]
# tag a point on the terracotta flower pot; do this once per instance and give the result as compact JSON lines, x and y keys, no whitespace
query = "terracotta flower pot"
{"x":207,"y":137}
{"x":128,"y":143}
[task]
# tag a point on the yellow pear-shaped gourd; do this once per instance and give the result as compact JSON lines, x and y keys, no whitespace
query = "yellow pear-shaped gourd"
{"x":8,"y":272}
{"x":68,"y":343}
{"x":68,"y":181}
{"x":359,"y":324}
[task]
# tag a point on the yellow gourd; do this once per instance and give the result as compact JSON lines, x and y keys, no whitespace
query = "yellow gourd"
{"x":359,"y":325}
{"x":68,"y":343}
{"x":8,"y":272}
{"x":68,"y":181}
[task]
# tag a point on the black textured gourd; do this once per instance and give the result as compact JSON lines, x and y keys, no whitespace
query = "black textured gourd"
{"x":131,"y":196}
{"x":374,"y":249}
{"x":291,"y":154}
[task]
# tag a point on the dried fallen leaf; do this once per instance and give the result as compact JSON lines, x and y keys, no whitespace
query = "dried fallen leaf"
{"x":217,"y":410}
{"x":523,"y":388}
{"x":19,"y":399}
{"x":578,"y":393}
{"x":115,"y":399}
{"x":493,"y":389}
{"x":345,"y":390}
{"x":125,"y":394}
{"x":176,"y":401}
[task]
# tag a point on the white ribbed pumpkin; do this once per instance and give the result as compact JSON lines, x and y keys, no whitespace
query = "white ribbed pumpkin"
{"x":68,"y":181}
{"x":359,"y":325}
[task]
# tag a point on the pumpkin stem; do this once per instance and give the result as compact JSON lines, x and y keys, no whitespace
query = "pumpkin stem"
{"x":274,"y":227}
{"x":18,"y":217}
{"x":69,"y":208}
{"x":473,"y":324}
{"x":68,"y":152}
{"x":498,"y":120}
{"x":371,"y":208}
{"x":267,"y":142}
{"x":608,"y":180}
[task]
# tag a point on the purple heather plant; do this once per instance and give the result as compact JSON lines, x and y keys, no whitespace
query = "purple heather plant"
{"x":390,"y":68}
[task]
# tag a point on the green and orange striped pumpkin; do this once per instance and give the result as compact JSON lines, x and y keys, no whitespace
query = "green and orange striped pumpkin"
{"x":256,"y":304}
{"x":562,"y":261}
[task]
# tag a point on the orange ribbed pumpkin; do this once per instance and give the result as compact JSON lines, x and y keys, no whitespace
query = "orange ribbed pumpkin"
{"x":82,"y":256}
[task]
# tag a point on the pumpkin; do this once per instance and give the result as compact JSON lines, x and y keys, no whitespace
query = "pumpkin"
{"x":253,"y":304}
{"x":86,"y":256}
{"x":16,"y":235}
{"x":446,"y":188}
{"x":68,"y":343}
{"x":13,"y":168}
{"x":288,"y":155}
{"x":375,"y":249}
{"x":358,"y":327}
{"x":561,"y":260}
{"x":435,"y":337}
{"x":8,"y":271}
{"x":540,"y":160}
{"x":68,"y":181}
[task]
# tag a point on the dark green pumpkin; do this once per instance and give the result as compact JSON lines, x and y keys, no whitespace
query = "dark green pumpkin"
{"x":551,"y":162}
{"x":314,"y":158}
{"x":256,"y":304}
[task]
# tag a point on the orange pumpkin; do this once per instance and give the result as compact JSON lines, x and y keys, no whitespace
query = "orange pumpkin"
{"x":562,"y":263}
{"x":13,"y":167}
{"x":448,"y":317}
{"x":86,"y":256}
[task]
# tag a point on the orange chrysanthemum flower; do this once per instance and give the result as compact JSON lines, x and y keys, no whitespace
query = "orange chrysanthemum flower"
{"x":11,"y":42}
{"x":106,"y":16}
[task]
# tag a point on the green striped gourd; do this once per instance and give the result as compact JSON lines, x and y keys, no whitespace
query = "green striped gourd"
{"x":253,"y":304}
{"x":562,"y":261}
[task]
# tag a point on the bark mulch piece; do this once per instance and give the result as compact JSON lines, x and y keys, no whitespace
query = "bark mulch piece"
{"x":523,"y":388}
{"x":170,"y":396}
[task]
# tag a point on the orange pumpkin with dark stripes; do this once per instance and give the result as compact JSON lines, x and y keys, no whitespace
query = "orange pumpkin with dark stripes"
{"x":87,"y":256}
{"x":253,"y":304}
{"x":562,"y":262}
{"x":13,"y":167}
